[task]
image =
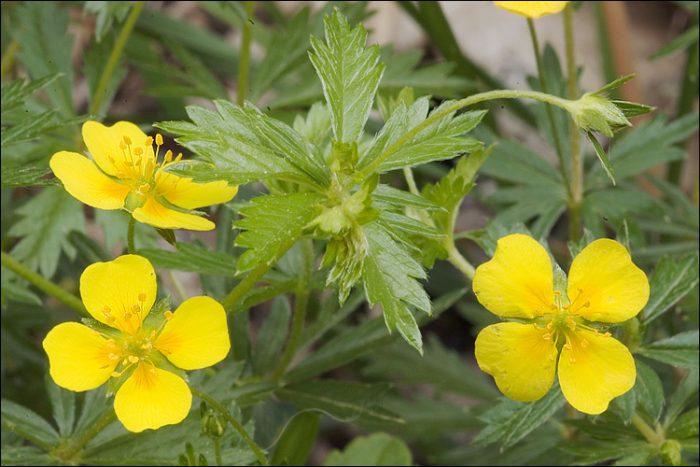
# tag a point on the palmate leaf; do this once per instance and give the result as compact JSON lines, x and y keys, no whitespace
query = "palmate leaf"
{"x":389,"y":276}
{"x":349,"y":73}
{"x":271,"y":224}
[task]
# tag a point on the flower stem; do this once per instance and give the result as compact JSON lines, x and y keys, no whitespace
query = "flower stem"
{"x":237,"y":293}
{"x":43,"y":284}
{"x":217,"y":451}
{"x":130,"y":248}
{"x":576,"y":182}
{"x":235,"y":423}
{"x":244,"y":61}
{"x":460,"y":262}
{"x":654,"y":437}
{"x":300,"y":303}
{"x":68,"y":452}
{"x":545,"y":88}
{"x":114,"y":56}
{"x":458,"y":105}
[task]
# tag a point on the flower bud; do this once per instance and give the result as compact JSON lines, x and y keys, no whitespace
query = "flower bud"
{"x":595,"y":112}
{"x":670,"y":452}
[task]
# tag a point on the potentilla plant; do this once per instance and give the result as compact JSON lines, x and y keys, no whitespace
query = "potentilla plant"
{"x":589,"y":366}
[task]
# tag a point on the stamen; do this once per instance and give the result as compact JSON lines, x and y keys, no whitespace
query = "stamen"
{"x":135,"y":308}
{"x":133,"y":358}
{"x":113,"y":356}
{"x":607,"y":334}
{"x":547,"y":336}
{"x":138,"y":151}
{"x":122,"y":145}
{"x":159,"y":139}
{"x":127,"y":140}
{"x":168,"y":156}
{"x":168,"y":315}
{"x":178,"y":158}
{"x":568,"y":346}
{"x":142,"y":297}
{"x":149,"y":141}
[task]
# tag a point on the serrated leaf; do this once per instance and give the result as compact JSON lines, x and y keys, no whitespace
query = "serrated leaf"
{"x":649,"y":390}
{"x":26,"y":455}
{"x":107,"y":13}
{"x":192,"y":257}
{"x":671,"y":280}
{"x":41,"y":28}
{"x":15,"y":93}
{"x":63,"y":407}
{"x":685,"y":393}
{"x":685,"y":426}
{"x":402,"y":225}
{"x":679,"y":350}
{"x":46,"y":220}
{"x":25,"y":175}
{"x":343,"y":400}
{"x":510,"y":421}
{"x":389,"y":275}
{"x":349,"y":73}
{"x":270,"y":223}
{"x":27,"y":424}
{"x":375,"y":449}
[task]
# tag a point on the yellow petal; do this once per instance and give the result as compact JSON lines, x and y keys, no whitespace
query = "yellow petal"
{"x":605,"y":285}
{"x":519,"y":357}
{"x":84,"y":181}
{"x":157,"y":215}
{"x":152,"y":398}
{"x":79,"y":357}
{"x":532,"y":9}
{"x":518,"y":281}
{"x":197,"y":334}
{"x":105,"y":146}
{"x":119,"y":293}
{"x":185,"y":193}
{"x":593,"y":370}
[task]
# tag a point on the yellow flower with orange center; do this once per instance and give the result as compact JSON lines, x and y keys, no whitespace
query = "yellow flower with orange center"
{"x":603,"y":286}
{"x":125,"y":173}
{"x":119,"y":294}
{"x":532,"y":9}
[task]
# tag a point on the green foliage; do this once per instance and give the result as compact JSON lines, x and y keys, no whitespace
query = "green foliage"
{"x":375,"y":449}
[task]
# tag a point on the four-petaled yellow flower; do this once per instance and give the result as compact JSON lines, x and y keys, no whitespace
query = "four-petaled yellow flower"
{"x":126,"y":174}
{"x":120,"y":294}
{"x":532,"y":9}
{"x":518,"y":282}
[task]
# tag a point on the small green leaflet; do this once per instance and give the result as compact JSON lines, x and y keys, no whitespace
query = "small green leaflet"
{"x":376,"y":449}
{"x":349,"y":73}
{"x":389,"y":276}
{"x":271,"y":224}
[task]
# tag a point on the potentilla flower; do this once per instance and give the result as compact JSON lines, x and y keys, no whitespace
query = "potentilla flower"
{"x":119,"y":294}
{"x":125,"y":173}
{"x":518,"y":282}
{"x":532,"y":9}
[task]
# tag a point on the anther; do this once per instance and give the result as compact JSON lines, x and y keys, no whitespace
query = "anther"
{"x":135,"y":308}
{"x":113,"y":356}
{"x":572,"y":360}
{"x":149,"y":141}
{"x":138,"y":151}
{"x":106,"y":310}
{"x":127,"y":140}
{"x":159,"y":139}
{"x":607,"y":334}
{"x":127,"y":316}
{"x":122,"y":145}
{"x":168,"y":315}
{"x":146,"y":346}
{"x":177,"y":159}
{"x":568,"y":346}
{"x":168,"y":156}
{"x":133,"y":358}
{"x":547,"y":336}
{"x":142,"y":297}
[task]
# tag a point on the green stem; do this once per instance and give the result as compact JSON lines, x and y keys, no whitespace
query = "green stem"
{"x":654,"y":437}
{"x":458,"y":105}
{"x":237,"y":293}
{"x":411,"y":181}
{"x":43,"y":284}
{"x":130,"y":248}
{"x":259,"y":453}
{"x":177,"y":285}
{"x":300,"y":304}
{"x":460,"y":262}
{"x":244,"y":61}
{"x":68,"y":453}
{"x":550,"y":112}
{"x":8,"y":58}
{"x":217,"y":451}
{"x":114,"y":56}
{"x":576,"y":189}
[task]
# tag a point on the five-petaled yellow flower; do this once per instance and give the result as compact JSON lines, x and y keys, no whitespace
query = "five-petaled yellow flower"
{"x":518,"y":282}
{"x":120,"y":294}
{"x":532,"y":9}
{"x":126,"y":174}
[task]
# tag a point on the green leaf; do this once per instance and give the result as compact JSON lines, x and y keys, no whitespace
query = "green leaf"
{"x":671,"y":280}
{"x":685,"y":393}
{"x":25,"y":175}
{"x":42,"y":29}
{"x":95,"y":60}
{"x":245,"y":145}
{"x":46,"y":221}
{"x":510,"y":421}
{"x":349,"y":73}
{"x":402,"y":225}
{"x":272,"y":336}
{"x":342,"y":400}
{"x":192,"y":257}
{"x":649,"y":390}
{"x":389,"y":276}
{"x":602,"y":157}
{"x":107,"y":13}
{"x":28,"y":425}
{"x":26,"y":455}
{"x":63,"y":405}
{"x":16,"y":92}
{"x":297,"y":440}
{"x":271,"y":224}
{"x":678,"y":44}
{"x":375,"y":449}
{"x":679,"y":350}
{"x":387,"y":196}
{"x":685,"y":426}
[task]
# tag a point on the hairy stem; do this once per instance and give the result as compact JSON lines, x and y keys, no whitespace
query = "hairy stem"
{"x":68,"y":453}
{"x":300,"y":304}
{"x":576,"y":183}
{"x":43,"y":284}
{"x":654,"y":437}
{"x":114,"y":56}
{"x":244,"y":61}
{"x":458,"y":105}
{"x":259,"y":453}
{"x":460,"y":262}
{"x":130,"y":248}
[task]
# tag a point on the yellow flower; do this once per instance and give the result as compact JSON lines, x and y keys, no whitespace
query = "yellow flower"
{"x":532,"y":9}
{"x":603,"y":285}
{"x":120,"y":294}
{"x":126,"y":174}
